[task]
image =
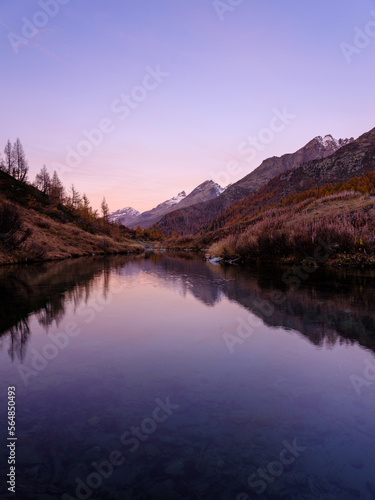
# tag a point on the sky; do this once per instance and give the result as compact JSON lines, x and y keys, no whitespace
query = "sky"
{"x":137,"y":101}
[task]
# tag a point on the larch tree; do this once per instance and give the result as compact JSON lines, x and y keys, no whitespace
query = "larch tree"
{"x":9,"y":158}
{"x":21,"y":166}
{"x":105,"y":213}
{"x":86,"y":208}
{"x":105,"y":210}
{"x":43,"y":180}
{"x":75,"y":198}
{"x":57,"y":192}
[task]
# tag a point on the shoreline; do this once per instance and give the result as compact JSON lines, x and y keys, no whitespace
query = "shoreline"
{"x":349,"y":261}
{"x":69,"y":257}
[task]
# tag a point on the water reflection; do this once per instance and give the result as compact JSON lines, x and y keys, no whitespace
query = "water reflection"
{"x":151,"y":331}
{"x":331,"y":306}
{"x":42,"y":291}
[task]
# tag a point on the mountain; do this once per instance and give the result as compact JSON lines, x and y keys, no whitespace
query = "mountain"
{"x":206,"y":191}
{"x":124,"y":216}
{"x":317,"y":148}
{"x":352,"y":160}
{"x":150,"y":217}
{"x":189,"y":220}
{"x":130,"y":217}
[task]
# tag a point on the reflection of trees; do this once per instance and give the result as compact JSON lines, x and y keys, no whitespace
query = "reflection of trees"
{"x":330,"y":306}
{"x":42,"y":291}
{"x":18,"y":336}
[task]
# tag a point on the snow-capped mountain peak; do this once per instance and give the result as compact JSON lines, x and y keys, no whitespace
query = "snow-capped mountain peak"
{"x":132,"y":218}
{"x":330,"y":142}
{"x":217,"y":187}
{"x":124,"y":215}
{"x":127,"y":210}
{"x":175,"y":199}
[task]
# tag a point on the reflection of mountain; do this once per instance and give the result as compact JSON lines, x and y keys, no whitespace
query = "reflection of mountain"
{"x":187,"y":272}
{"x":330,"y":306}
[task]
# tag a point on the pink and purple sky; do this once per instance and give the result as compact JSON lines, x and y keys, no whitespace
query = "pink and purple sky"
{"x":178,"y":86}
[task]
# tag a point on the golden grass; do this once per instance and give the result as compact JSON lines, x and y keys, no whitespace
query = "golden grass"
{"x":347,"y":220}
{"x":52,"y":240}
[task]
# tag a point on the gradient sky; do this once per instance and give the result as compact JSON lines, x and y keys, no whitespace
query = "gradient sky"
{"x":226,"y":77}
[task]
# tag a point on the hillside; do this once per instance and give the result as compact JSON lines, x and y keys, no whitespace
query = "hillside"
{"x":342,"y":216}
{"x":33,"y":230}
{"x":190,"y":220}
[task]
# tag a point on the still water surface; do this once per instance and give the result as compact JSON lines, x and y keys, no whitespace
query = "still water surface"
{"x":170,"y":378}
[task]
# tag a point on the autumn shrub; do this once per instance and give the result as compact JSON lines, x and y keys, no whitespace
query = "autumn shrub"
{"x":35,"y":251}
{"x":225,"y":247}
{"x":104,"y":245}
{"x":281,"y":234}
{"x":12,"y":231}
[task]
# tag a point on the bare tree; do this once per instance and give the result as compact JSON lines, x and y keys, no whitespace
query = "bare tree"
{"x":21,"y":166}
{"x":9,"y":158}
{"x":75,"y":199}
{"x":43,"y":181}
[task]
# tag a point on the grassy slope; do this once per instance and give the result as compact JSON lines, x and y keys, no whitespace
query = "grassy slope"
{"x":52,"y":239}
{"x":290,"y":234}
{"x":346,"y":220}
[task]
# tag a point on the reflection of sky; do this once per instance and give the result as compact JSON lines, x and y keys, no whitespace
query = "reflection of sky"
{"x":225,"y":78}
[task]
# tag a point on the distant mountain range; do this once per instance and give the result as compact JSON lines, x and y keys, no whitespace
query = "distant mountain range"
{"x":130,"y":217}
{"x":355,"y":158}
{"x":191,"y":219}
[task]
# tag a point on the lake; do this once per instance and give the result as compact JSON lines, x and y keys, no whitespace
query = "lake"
{"x":167,"y":377}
